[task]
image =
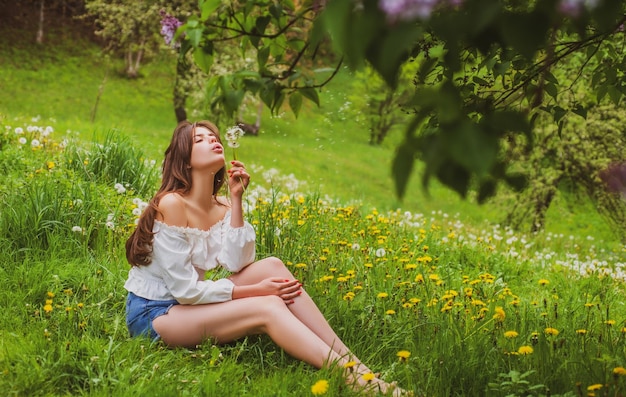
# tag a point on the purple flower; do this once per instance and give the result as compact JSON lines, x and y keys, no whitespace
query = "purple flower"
{"x":614,"y":176}
{"x":169,"y":25}
{"x":573,"y":8}
{"x":407,"y":10}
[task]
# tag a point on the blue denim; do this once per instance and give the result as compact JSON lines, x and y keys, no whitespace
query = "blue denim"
{"x":140,"y":313}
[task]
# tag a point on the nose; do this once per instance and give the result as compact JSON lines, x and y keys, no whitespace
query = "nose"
{"x":212,"y":139}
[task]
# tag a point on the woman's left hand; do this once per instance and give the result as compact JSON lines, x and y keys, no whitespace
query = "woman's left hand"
{"x":238,"y":178}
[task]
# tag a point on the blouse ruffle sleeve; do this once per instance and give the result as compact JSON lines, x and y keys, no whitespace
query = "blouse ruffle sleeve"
{"x":238,"y":248}
{"x":171,"y":251}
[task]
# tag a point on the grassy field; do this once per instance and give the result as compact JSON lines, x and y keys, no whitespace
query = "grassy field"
{"x":431,"y":292}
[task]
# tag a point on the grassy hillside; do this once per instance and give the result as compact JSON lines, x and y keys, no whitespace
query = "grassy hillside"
{"x":61,"y":81}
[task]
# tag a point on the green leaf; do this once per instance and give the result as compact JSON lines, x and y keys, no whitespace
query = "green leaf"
{"x":262,"y":56}
{"x":615,"y":94}
{"x":580,"y":110}
{"x":203,"y":59}
{"x":454,"y":176}
{"x":558,"y":113}
{"x":601,"y":93}
{"x":402,"y":167}
{"x":295,"y":103}
{"x":470,"y":147}
{"x":480,"y":81}
{"x":261,"y":23}
{"x":195,"y":35}
{"x":551,"y":89}
{"x":208,"y":7}
{"x":387,"y":52}
{"x":525,"y":32}
{"x":311,"y":94}
{"x":232,"y":100}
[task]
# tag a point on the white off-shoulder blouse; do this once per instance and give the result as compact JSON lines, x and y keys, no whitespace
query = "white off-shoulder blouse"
{"x":181,"y":254}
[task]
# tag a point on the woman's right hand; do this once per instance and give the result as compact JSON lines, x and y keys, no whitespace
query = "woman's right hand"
{"x":286,"y":289}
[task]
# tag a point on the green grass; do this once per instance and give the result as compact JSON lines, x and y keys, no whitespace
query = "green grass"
{"x":445,"y":275}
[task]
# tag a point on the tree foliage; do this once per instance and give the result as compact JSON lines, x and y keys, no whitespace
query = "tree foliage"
{"x":128,"y":28}
{"x":486,"y":68}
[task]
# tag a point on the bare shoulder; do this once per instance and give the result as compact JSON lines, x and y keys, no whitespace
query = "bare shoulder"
{"x":172,"y":210}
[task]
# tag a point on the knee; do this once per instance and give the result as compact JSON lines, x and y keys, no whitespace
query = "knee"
{"x":275,"y":263}
{"x":271,"y":304}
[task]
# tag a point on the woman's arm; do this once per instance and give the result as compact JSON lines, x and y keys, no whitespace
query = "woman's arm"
{"x":238,"y":180}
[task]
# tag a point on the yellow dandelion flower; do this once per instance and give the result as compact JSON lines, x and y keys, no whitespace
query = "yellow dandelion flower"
{"x":511,"y":334}
{"x":595,"y":387}
{"x":349,"y":364}
{"x":419,"y":278}
{"x":390,"y":312}
{"x":434,"y":277}
{"x":543,"y":281}
{"x":477,"y":302}
{"x":382,"y":295}
{"x":323,"y":258}
{"x":551,"y":331}
{"x":348,"y":296}
{"x":47,"y":308}
{"x":50,"y":294}
{"x":50,"y":165}
{"x":300,"y":222}
{"x":525,"y":350}
{"x":368,"y":377}
{"x":403,"y":355}
{"x":80,"y":305}
{"x":581,"y":331}
{"x":320,"y":387}
{"x":610,"y":322}
{"x":415,"y":300}
{"x":407,"y":305}
{"x":500,"y":315}
{"x":621,"y":371}
{"x":410,"y":266}
{"x":301,"y":265}
{"x":368,"y":265}
{"x":623,"y":330}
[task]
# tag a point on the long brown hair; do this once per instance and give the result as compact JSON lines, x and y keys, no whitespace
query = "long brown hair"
{"x":176,"y":179}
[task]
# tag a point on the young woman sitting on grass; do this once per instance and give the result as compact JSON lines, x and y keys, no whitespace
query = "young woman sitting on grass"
{"x":188,"y":229}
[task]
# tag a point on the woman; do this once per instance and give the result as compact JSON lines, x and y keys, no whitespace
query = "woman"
{"x":188,"y":229}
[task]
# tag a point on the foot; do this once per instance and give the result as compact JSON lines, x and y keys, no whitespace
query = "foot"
{"x":370,"y":384}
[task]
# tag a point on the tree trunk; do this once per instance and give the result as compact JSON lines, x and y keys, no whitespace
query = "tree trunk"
{"x":41,"y":19}
{"x":180,"y":92}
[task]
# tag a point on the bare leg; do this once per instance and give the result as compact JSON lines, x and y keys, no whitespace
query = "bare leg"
{"x":190,"y":325}
{"x":304,"y":308}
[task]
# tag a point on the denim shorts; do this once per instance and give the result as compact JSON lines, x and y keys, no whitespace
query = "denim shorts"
{"x":140,"y":313}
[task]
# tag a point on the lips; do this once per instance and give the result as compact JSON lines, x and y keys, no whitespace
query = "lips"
{"x":218,"y":148}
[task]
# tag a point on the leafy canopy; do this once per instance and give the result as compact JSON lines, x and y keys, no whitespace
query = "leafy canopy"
{"x":486,"y":68}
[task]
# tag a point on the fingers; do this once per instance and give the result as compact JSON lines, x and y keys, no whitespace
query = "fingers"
{"x":290,"y":290}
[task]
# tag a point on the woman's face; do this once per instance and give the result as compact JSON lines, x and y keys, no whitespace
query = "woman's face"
{"x":206,"y":152}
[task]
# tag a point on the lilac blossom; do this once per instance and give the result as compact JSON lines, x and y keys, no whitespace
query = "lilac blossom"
{"x":614,"y":176}
{"x":169,"y":25}
{"x":573,"y":8}
{"x":407,"y":10}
